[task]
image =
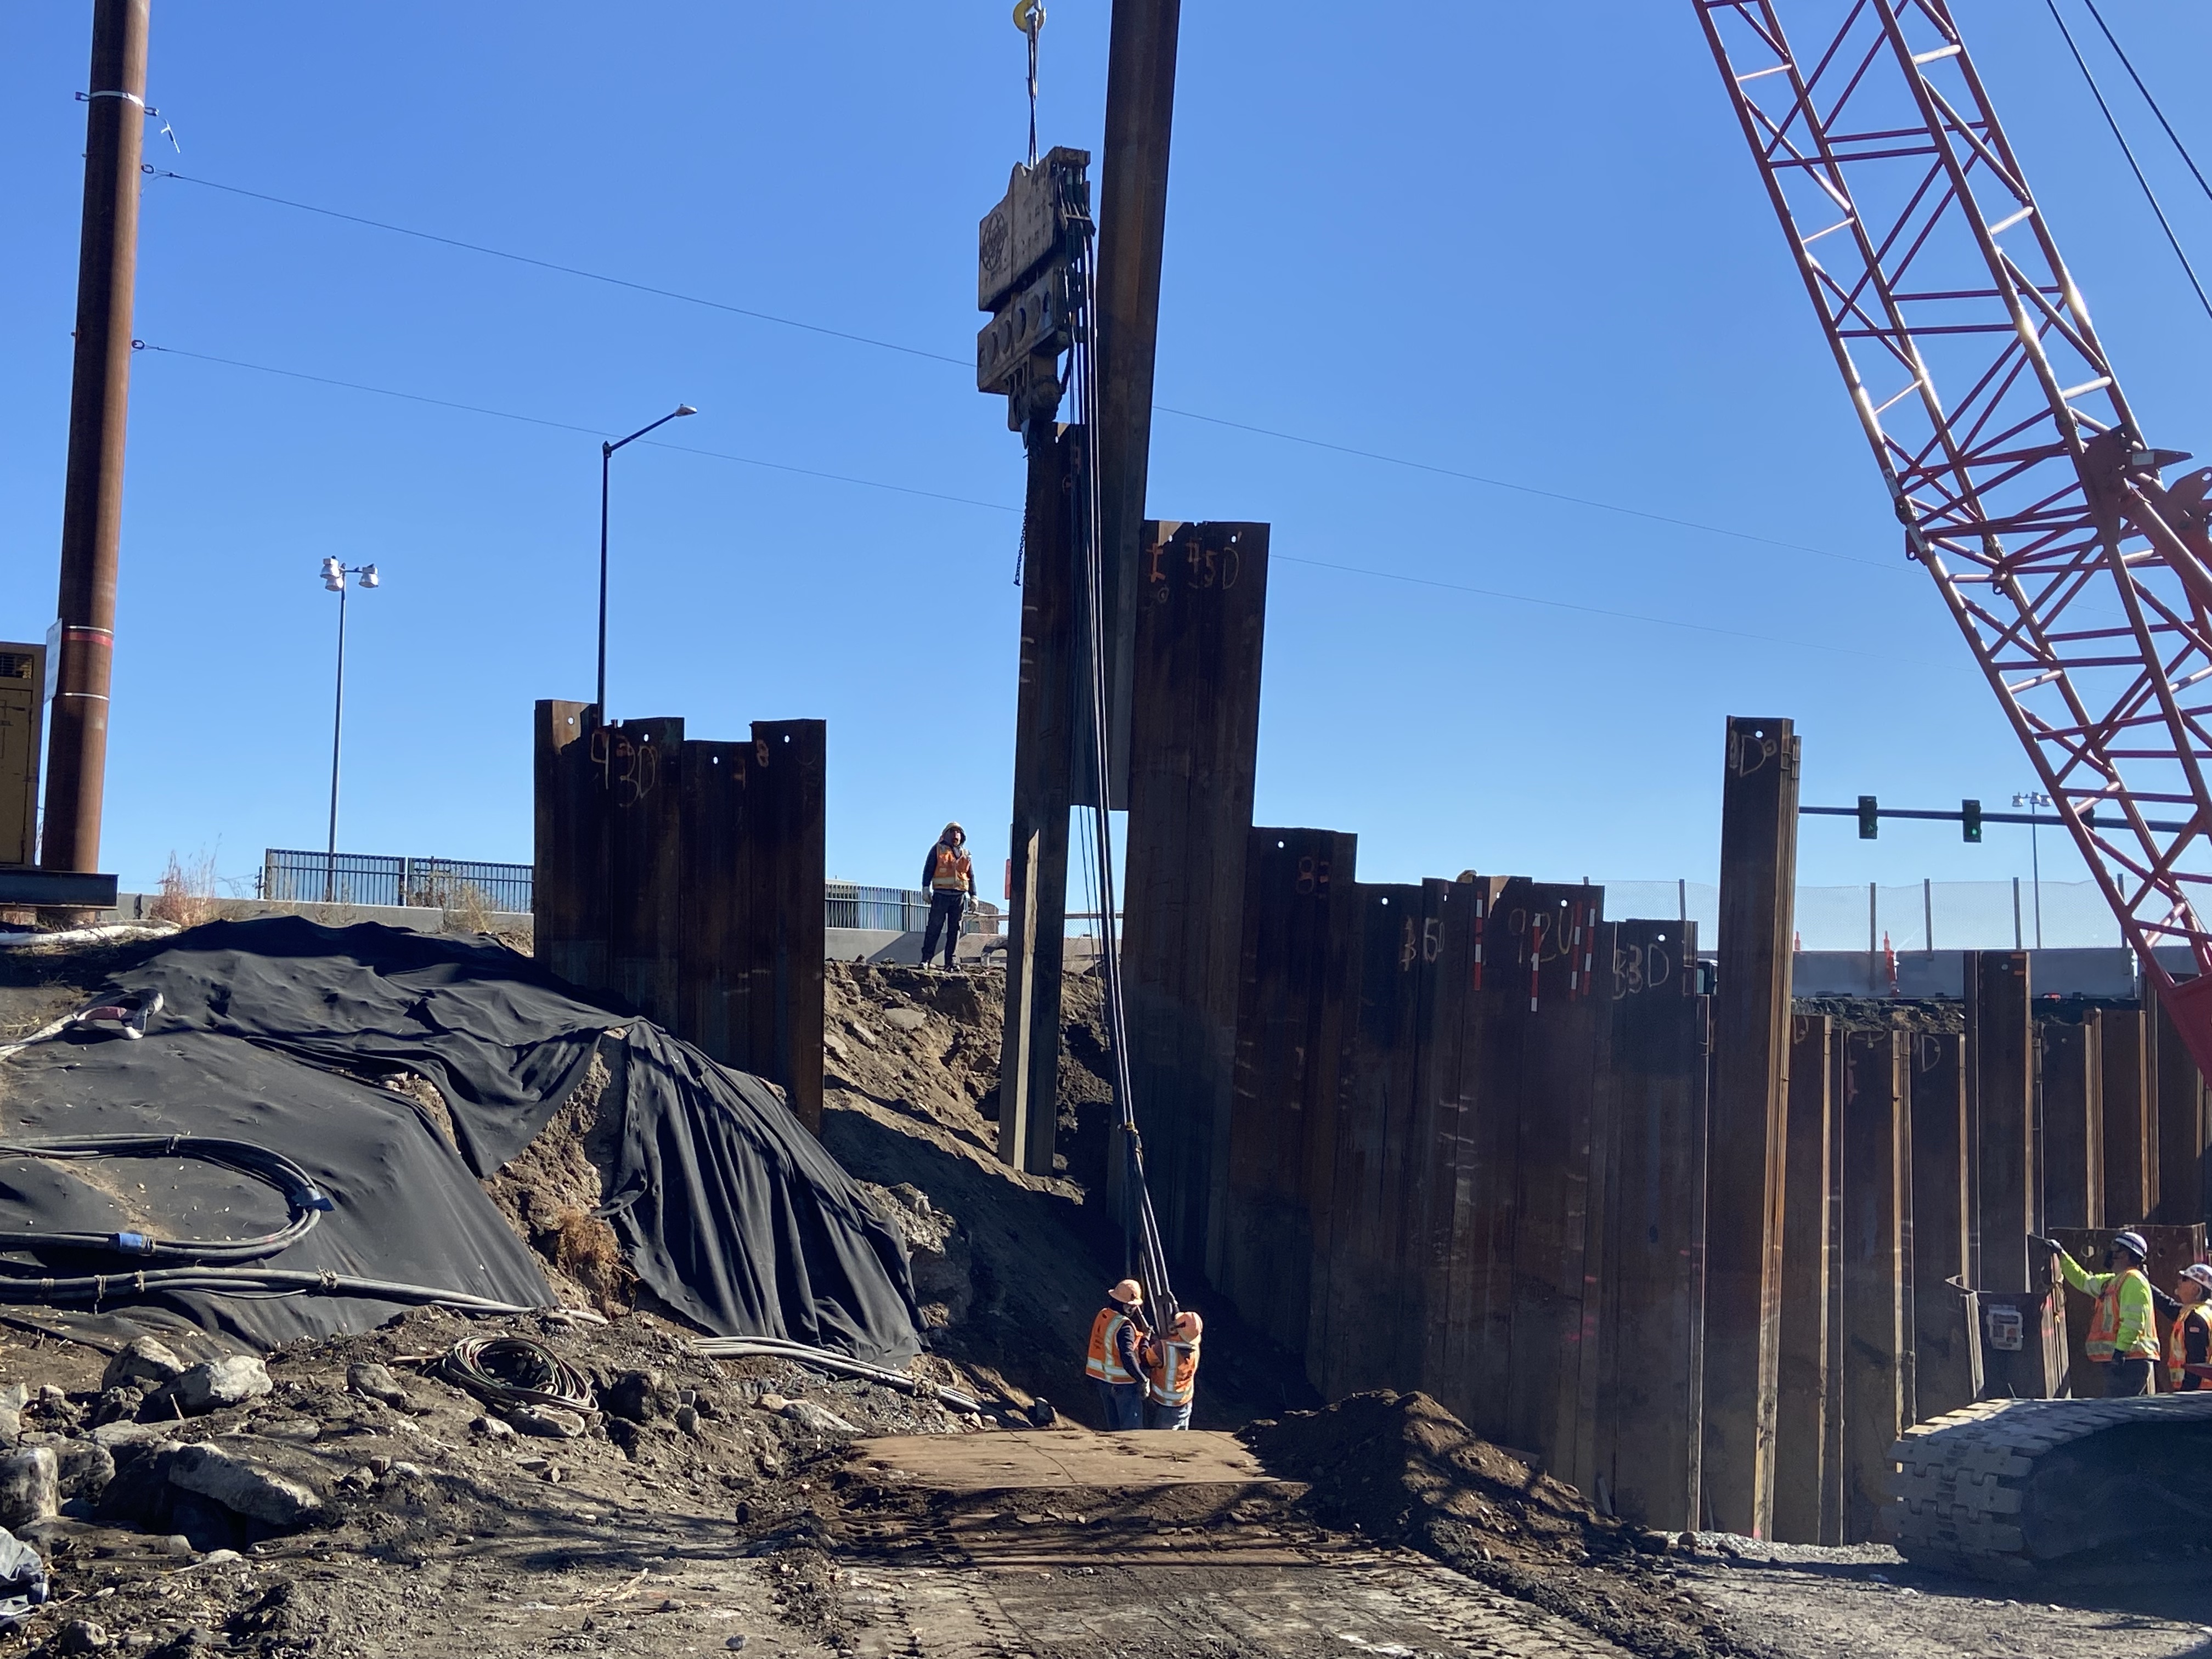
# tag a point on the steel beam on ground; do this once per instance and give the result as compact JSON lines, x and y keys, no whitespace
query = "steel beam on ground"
{"x":2000,"y":1081}
{"x":2177,"y":1200}
{"x":2125,"y":1088}
{"x":100,"y":396}
{"x":1649,"y":1302}
{"x":1800,"y":1428}
{"x":1877,"y":1270}
{"x":645,"y":862}
{"x":1195,"y":733}
{"x":1286,"y":1075}
{"x":1044,"y":754}
{"x":2068,"y":1075}
{"x":1132,"y":210}
{"x":570,"y":924}
{"x":1744,"y":1223}
{"x":1946,"y":1375}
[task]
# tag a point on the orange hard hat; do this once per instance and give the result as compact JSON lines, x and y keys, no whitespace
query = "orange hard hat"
{"x":1188,"y":1324}
{"x":1129,"y":1293}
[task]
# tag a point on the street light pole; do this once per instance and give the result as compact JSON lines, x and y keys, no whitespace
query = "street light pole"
{"x":2033,"y":799}
{"x":606,"y":458}
{"x":334,"y":579}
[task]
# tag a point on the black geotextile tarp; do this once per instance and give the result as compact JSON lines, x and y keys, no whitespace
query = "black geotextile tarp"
{"x":731,"y":1212}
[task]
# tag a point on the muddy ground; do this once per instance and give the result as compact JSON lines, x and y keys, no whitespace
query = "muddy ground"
{"x":713,"y":1507}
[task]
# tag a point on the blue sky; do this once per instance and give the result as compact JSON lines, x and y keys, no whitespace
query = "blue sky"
{"x":1473,"y":237}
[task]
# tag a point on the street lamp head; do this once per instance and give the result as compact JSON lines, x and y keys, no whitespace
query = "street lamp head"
{"x":685,"y":409}
{"x":368,"y":576}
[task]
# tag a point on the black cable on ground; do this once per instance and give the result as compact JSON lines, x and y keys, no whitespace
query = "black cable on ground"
{"x":775,"y":1347}
{"x":97,"y":1288}
{"x":513,"y":1371}
{"x":303,"y":1200}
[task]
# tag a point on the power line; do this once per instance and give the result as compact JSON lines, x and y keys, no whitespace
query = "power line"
{"x":1592,"y":610}
{"x":2181,"y":148}
{"x":594,"y":432}
{"x":998,"y":506}
{"x":2150,"y":195}
{"x":679,"y":295}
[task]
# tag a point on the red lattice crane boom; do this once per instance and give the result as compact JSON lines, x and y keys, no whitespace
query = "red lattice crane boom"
{"x":2082,"y":582}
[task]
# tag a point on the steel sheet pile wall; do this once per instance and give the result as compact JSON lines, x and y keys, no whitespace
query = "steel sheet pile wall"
{"x":1466,"y":1155}
{"x":1475,"y":1147}
{"x":687,"y":878}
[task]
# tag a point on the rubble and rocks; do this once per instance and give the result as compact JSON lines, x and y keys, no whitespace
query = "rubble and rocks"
{"x":1401,"y":1468}
{"x":214,"y":1384}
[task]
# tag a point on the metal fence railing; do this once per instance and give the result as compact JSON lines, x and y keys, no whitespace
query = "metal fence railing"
{"x":2009,"y":914}
{"x":292,"y":876}
{"x":367,"y":878}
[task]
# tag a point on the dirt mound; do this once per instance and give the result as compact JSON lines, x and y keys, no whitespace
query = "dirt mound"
{"x":1399,"y":1468}
{"x":1387,"y":1464}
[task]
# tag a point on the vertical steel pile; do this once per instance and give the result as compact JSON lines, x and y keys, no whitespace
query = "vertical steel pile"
{"x":686,"y":879}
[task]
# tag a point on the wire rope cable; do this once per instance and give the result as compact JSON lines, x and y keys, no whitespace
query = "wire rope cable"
{"x":2134,"y":166}
{"x":304,"y":1201}
{"x":1139,"y":1215}
{"x":775,"y":1347}
{"x":516,"y":1370}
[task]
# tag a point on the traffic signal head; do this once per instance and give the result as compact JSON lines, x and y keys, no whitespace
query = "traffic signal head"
{"x":1970,"y":819}
{"x":1869,"y":820}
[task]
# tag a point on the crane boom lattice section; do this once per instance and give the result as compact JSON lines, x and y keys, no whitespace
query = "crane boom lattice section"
{"x":2079,"y":580}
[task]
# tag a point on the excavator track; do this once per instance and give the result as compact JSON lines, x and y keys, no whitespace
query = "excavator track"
{"x":2004,"y":1489}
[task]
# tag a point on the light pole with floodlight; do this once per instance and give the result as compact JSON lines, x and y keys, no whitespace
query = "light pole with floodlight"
{"x":606,"y":457}
{"x":2032,"y":799}
{"x":334,"y":579}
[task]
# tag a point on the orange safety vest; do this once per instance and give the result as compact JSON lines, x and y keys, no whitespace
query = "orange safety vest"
{"x":955,"y":870}
{"x":1104,"y":1362}
{"x":1171,"y":1372}
{"x":2104,"y":1322}
{"x":2185,"y":1381}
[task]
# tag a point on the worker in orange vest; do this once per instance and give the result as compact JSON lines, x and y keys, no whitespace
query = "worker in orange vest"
{"x":2189,"y":1343}
{"x":2123,"y":1335}
{"x":1114,"y":1362}
{"x":1171,"y":1372}
{"x":949,"y":876}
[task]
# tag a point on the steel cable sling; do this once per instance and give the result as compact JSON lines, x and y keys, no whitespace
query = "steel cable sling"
{"x":1090,"y":544}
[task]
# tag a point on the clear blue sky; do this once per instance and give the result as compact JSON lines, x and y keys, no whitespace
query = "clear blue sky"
{"x":1519,"y":242}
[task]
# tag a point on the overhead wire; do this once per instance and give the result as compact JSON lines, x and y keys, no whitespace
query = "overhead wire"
{"x":1379,"y":456}
{"x":2120,"y":52}
{"x":2134,"y":166}
{"x":1003,"y":506}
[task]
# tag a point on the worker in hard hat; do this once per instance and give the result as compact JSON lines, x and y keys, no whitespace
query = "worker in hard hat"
{"x":2189,"y":1342}
{"x":1114,"y":1362}
{"x":949,"y":876}
{"x":1171,"y":1372}
{"x":2122,"y":1336}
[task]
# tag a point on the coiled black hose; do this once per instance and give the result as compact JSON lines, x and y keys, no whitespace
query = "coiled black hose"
{"x":303,"y":1201}
{"x":513,"y":1371}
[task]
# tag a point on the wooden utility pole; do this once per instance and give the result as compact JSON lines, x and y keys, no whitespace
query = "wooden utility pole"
{"x":1141,"y":76}
{"x":100,"y":398}
{"x":1743,"y":1204}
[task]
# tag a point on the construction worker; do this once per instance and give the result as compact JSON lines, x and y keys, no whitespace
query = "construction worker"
{"x":2122,"y":1334}
{"x":1114,"y":1362}
{"x":2189,"y":1343}
{"x":949,"y":876}
{"x":1171,"y":1372}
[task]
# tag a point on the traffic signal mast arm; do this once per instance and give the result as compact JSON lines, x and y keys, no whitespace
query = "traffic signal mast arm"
{"x":2081,"y":583}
